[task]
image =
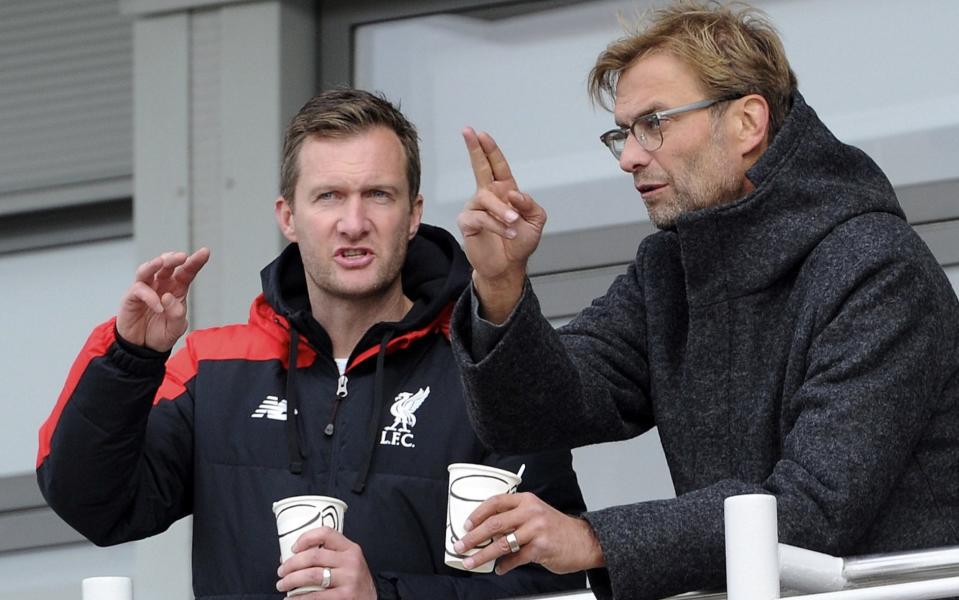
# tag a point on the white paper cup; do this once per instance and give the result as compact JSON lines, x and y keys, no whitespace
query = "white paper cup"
{"x":297,"y":515}
{"x":469,"y":486}
{"x":107,"y":588}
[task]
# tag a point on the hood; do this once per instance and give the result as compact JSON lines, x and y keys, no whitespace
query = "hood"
{"x":434,"y":274}
{"x":806,"y":184}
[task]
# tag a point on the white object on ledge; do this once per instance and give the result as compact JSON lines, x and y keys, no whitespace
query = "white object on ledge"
{"x":107,"y":588}
{"x":752,"y":547}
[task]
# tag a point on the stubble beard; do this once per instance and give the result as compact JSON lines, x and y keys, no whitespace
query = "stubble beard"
{"x":328,"y":283}
{"x":709,"y":180}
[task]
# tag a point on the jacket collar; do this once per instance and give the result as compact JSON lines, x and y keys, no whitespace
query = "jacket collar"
{"x":435,"y":273}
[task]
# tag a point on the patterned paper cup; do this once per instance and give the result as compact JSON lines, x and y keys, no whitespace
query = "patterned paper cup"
{"x":299,"y":514}
{"x":469,"y":486}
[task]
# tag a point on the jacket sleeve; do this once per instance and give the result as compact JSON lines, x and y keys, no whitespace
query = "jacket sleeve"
{"x":550,"y":476}
{"x":115,"y":458}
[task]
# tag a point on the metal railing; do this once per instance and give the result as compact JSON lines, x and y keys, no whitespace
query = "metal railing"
{"x":758,"y":567}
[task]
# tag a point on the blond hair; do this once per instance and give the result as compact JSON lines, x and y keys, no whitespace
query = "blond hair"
{"x":732,"y":48}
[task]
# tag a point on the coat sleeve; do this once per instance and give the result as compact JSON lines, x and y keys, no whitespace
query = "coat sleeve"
{"x":550,"y":476}
{"x":115,"y":457}
{"x":586,"y":383}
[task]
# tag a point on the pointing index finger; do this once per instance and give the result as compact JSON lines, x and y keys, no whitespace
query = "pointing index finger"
{"x":482,"y":170}
{"x":187,"y":271}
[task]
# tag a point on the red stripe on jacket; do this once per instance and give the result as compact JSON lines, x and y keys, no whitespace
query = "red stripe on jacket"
{"x":232,"y":342}
{"x":252,"y":342}
{"x":96,"y":346}
{"x":440,"y":324}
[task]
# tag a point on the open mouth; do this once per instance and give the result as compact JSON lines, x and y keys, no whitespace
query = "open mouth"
{"x":352,"y":252}
{"x":353,"y":258}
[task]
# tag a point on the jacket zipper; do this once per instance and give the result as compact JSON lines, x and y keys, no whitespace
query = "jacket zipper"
{"x":340,"y":396}
{"x":330,"y":427}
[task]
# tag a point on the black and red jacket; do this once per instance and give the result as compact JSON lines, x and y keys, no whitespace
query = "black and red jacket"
{"x":137,"y":441}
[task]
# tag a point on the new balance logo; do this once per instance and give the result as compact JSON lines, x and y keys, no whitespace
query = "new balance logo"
{"x":271,"y":408}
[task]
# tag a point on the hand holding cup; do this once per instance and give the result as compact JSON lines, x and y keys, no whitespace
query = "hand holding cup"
{"x":310,"y":529}
{"x":469,"y":486}
{"x":525,"y":529}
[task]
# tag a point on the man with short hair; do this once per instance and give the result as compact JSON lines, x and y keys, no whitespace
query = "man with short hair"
{"x":352,"y":326}
{"x":787,"y":331}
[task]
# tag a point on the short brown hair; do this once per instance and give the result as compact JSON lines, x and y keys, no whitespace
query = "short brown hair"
{"x":732,"y":48}
{"x":343,"y":112}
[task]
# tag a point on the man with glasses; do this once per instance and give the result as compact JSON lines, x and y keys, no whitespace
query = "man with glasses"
{"x":786,"y":331}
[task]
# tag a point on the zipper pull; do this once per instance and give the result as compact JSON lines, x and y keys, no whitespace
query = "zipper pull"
{"x":340,"y":395}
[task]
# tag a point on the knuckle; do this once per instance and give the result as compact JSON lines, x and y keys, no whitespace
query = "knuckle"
{"x":354,"y":559}
{"x":314,"y":574}
{"x":525,"y":497}
{"x":496,"y":524}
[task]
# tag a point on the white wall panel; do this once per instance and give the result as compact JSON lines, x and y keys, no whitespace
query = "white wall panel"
{"x":57,"y":573}
{"x":953,"y":274}
{"x":206,"y":169}
{"x":50,"y":303}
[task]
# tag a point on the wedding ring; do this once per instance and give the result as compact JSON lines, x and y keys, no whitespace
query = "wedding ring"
{"x":513,"y":543}
{"x":327,"y":578}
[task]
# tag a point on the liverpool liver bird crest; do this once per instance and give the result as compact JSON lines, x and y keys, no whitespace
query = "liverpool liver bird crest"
{"x":404,"y":405}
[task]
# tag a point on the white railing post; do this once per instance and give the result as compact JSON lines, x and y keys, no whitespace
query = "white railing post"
{"x":752,"y":547}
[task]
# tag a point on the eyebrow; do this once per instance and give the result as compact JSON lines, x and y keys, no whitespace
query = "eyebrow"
{"x":386,"y":187}
{"x":337,"y":185}
{"x":654,"y":108}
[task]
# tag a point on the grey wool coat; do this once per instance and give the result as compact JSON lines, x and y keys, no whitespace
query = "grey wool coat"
{"x":801,"y":342}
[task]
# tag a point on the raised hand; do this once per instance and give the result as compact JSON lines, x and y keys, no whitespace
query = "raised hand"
{"x":325,"y":557}
{"x":153,"y":309}
{"x":501,"y":228}
{"x":525,"y":529}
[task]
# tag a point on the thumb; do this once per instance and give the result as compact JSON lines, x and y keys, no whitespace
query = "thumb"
{"x":524,"y":204}
{"x":173,"y":308}
{"x":167,"y":300}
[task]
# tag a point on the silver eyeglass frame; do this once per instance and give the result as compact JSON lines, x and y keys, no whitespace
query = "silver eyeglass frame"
{"x":620,"y":134}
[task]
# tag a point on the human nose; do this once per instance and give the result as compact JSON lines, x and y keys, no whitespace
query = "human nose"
{"x":634,"y":156}
{"x":353,"y":222}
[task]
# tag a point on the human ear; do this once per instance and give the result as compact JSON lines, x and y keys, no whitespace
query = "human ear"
{"x":283,"y":211}
{"x":416,"y":215}
{"x":752,"y":123}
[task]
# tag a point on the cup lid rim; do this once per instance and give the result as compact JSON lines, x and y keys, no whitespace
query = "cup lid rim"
{"x":486,"y":468}
{"x":310,"y":498}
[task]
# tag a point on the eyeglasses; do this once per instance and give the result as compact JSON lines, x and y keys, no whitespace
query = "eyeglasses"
{"x":648,"y":129}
